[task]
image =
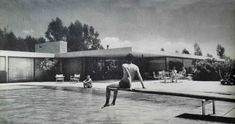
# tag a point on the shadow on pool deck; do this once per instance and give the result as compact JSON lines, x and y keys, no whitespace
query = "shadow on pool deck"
{"x":207,"y":118}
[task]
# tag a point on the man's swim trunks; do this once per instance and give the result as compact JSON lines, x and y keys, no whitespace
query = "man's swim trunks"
{"x":123,"y":84}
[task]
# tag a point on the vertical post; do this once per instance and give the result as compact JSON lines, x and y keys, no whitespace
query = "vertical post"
{"x":6,"y":69}
{"x":83,"y":69}
{"x":166,"y":65}
{"x":203,"y":107}
{"x":60,"y":66}
{"x":34,"y":69}
{"x":213,"y":106}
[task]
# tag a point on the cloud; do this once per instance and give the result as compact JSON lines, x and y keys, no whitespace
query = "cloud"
{"x":155,"y":45}
{"x":170,"y":46}
{"x":115,"y":42}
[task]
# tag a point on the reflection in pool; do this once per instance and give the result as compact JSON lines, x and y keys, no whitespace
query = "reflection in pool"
{"x":38,"y":105}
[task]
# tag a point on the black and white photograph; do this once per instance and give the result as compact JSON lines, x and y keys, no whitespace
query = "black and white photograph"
{"x":117,"y":61}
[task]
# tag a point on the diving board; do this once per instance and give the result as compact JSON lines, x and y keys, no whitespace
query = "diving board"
{"x":206,"y":97}
{"x":218,"y":97}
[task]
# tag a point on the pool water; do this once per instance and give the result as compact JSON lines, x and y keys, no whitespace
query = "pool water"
{"x":48,"y":106}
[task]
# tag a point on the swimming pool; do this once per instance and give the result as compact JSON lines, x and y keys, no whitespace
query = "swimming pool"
{"x":40,"y":105}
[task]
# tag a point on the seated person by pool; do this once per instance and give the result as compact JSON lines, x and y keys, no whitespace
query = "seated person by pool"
{"x":87,"y":83}
{"x":130,"y":70}
{"x":174,"y":75}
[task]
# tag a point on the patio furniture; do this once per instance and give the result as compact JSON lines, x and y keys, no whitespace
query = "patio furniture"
{"x":170,"y":77}
{"x":75,"y":77}
{"x":175,"y":77}
{"x":189,"y":77}
{"x":157,"y":77}
{"x":166,"y":76}
{"x":59,"y":77}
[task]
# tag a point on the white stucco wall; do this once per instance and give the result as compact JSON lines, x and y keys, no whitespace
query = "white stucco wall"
{"x":52,"y":47}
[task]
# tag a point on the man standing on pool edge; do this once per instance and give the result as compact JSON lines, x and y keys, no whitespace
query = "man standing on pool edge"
{"x":129,"y":72}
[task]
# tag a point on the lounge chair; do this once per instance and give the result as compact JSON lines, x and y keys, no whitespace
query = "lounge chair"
{"x":159,"y":76}
{"x":59,"y":77}
{"x":166,"y":76}
{"x":75,"y":77}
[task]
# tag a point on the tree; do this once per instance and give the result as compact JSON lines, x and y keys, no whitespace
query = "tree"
{"x":210,"y":69}
{"x":96,"y":42}
{"x":2,"y":39}
{"x":86,"y":35}
{"x":30,"y":43}
{"x":185,"y":51}
{"x":8,"y":41}
{"x":41,"y":40}
{"x":197,"y":50}
{"x":79,"y":37}
{"x":56,"y":31}
{"x":14,"y":43}
{"x":206,"y":70}
{"x":11,"y":38}
{"x":92,"y":31}
{"x":75,"y":37}
{"x":82,"y":37}
{"x":220,"y":51}
{"x":162,"y":49}
{"x":93,"y":41}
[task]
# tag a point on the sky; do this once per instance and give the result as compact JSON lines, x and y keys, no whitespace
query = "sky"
{"x":146,"y":25}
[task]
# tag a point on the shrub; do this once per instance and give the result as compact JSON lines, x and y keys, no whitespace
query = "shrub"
{"x":48,"y":66}
{"x":211,"y":70}
{"x":206,"y":70}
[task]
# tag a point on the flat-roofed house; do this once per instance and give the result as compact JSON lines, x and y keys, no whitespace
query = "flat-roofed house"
{"x":100,"y":64}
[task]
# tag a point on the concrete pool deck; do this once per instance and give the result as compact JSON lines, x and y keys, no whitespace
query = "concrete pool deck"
{"x":212,"y":87}
{"x":225,"y":109}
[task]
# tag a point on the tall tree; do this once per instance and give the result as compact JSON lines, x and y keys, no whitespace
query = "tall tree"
{"x":2,"y":39}
{"x":96,"y":42}
{"x":185,"y":51}
{"x":92,"y":31}
{"x":56,"y":31}
{"x":8,"y":41}
{"x":75,"y":37}
{"x":220,"y":51}
{"x":197,"y":50}
{"x":11,"y":41}
{"x":41,"y":40}
{"x":86,"y":36}
{"x":30,"y":43}
{"x":79,"y":36}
